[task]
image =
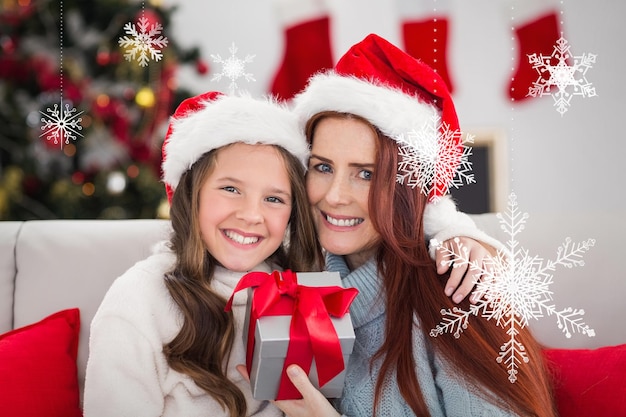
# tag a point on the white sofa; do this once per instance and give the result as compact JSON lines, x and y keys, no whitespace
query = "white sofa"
{"x":47,"y":266}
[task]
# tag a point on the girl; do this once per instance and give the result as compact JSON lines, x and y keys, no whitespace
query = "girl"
{"x":373,"y":230}
{"x":161,"y":343}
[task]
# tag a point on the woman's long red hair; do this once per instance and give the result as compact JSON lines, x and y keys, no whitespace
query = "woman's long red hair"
{"x":409,"y":275}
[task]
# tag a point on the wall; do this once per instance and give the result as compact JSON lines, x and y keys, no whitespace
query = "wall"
{"x":566,"y":171}
{"x":556,"y":163}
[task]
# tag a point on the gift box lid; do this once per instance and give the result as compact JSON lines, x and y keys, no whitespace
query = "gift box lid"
{"x":343,"y":325}
{"x":273,"y":331}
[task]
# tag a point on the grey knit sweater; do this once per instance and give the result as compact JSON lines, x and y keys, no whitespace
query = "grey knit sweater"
{"x":446,"y":394}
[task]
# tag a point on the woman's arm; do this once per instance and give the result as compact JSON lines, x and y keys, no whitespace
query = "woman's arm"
{"x":312,"y":404}
{"x":443,"y":222}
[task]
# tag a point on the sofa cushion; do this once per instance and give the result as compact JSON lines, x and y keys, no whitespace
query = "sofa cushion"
{"x":38,"y":368}
{"x":589,"y":382}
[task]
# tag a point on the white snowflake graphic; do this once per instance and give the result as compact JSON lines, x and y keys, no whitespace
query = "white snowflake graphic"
{"x":434,"y":159}
{"x":562,"y":75}
{"x":233,"y":68}
{"x":514,"y":289}
{"x":61,"y":124}
{"x":142,"y":42}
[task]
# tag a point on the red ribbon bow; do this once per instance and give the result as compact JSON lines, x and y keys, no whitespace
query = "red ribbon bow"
{"x":311,"y":333}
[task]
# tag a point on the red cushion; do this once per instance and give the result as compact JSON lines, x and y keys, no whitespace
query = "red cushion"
{"x":589,"y":382}
{"x":38,"y":368}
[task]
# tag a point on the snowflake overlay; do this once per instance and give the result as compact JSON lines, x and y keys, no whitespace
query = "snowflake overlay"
{"x":434,"y":159}
{"x":142,"y":42}
{"x":562,"y":75}
{"x":61,"y":126}
{"x":514,"y":289}
{"x":233,"y":68}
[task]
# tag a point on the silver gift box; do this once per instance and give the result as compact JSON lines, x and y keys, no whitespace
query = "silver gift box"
{"x":272,"y":340}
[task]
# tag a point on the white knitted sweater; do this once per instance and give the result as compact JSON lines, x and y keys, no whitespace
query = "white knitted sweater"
{"x":127,"y":372}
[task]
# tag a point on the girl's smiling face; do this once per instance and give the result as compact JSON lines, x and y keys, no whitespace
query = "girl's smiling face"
{"x":245,"y":205}
{"x":338,"y":182}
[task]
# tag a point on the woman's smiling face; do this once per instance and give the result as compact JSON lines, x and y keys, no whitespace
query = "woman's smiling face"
{"x":341,"y":166}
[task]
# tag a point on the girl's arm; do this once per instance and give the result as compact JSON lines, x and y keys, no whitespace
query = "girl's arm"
{"x":121,"y":378}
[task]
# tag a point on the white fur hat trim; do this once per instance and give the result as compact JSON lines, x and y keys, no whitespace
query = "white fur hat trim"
{"x":226,"y":120}
{"x":391,"y":110}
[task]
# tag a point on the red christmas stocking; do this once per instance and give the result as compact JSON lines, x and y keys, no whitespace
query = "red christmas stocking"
{"x":537,"y":29}
{"x":307,"y":45}
{"x":425,"y":33}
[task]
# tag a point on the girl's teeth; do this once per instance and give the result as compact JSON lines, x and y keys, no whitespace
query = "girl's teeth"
{"x":241,"y":239}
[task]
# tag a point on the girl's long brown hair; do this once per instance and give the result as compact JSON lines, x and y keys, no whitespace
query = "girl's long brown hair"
{"x":409,"y":275}
{"x":202,"y":347}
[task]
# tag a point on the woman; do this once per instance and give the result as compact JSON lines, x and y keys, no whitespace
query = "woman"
{"x":372,"y":228}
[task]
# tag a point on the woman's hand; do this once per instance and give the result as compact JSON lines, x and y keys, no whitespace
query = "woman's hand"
{"x":312,"y":404}
{"x":462,"y":278}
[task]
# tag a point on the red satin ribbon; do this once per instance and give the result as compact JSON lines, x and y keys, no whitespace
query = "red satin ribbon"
{"x":311,"y":333}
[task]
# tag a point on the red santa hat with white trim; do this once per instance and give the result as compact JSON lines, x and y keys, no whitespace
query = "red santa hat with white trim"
{"x":211,"y":120}
{"x":395,"y":92}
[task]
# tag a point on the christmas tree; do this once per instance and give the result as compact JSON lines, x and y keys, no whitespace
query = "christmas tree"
{"x":86,"y":90}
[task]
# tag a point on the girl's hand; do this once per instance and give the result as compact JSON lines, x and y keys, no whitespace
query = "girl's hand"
{"x":312,"y":404}
{"x":463,"y":279}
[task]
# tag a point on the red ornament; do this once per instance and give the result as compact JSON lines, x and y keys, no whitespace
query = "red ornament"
{"x":8,"y":45}
{"x":14,"y":14}
{"x":31,"y":185}
{"x":202,"y":67}
{"x":78,"y":177}
{"x":11,"y":65}
{"x":103,"y":57}
{"x":11,"y":68}
{"x":52,"y":144}
{"x":151,"y":16}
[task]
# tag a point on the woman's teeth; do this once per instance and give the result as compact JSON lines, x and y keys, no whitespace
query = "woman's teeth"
{"x":343,"y":222}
